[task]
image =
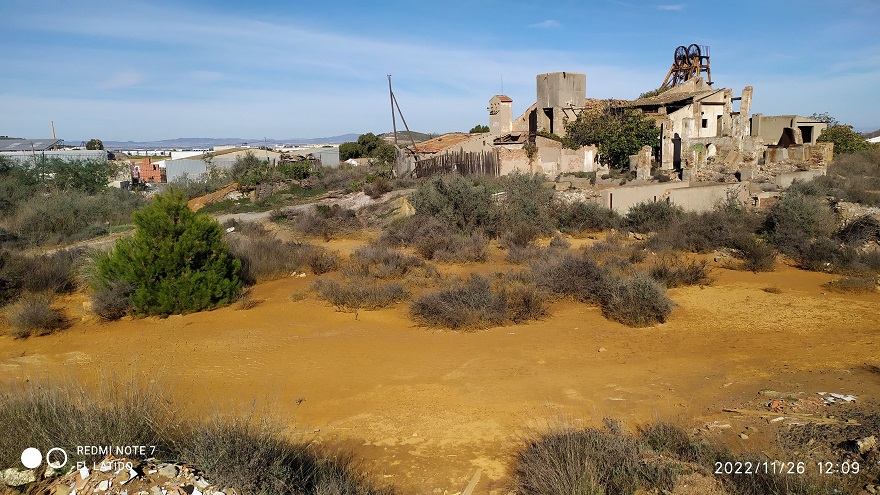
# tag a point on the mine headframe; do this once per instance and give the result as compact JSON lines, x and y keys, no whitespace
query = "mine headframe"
{"x":689,"y":62}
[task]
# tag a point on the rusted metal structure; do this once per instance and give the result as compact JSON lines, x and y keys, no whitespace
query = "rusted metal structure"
{"x":688,"y":62}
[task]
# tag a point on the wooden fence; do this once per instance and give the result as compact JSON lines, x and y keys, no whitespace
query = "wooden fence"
{"x":465,"y":163}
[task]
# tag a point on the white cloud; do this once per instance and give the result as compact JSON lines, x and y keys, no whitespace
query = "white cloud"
{"x":675,"y":7}
{"x":548,"y":24}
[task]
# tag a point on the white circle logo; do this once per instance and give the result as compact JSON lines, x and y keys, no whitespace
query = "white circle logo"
{"x":56,"y":464}
{"x":31,"y":458}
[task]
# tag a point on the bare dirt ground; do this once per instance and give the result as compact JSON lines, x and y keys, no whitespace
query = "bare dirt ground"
{"x":426,"y":408}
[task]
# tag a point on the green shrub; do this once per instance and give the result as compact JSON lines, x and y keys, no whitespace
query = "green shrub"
{"x":525,"y":212}
{"x":797,"y":219}
{"x":456,"y":202}
{"x":652,"y":216}
{"x":71,"y":215}
{"x":33,"y":314}
{"x":579,"y":217}
{"x":176,"y":261}
{"x":755,"y":254}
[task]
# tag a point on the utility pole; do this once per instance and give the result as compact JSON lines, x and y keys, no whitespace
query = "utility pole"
{"x":393,"y":118}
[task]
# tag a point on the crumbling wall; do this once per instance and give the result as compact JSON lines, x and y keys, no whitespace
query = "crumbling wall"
{"x":622,"y":198}
{"x":704,"y":198}
{"x":784,"y":180}
{"x":512,"y":160}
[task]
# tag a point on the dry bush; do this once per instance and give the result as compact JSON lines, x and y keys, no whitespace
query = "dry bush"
{"x":111,"y":302}
{"x":33,"y":314}
{"x":476,"y":304}
{"x":377,"y":188}
{"x":559,"y":242}
{"x":379,"y":261}
{"x":352,"y":295}
{"x":705,"y":232}
{"x":434,"y":240}
{"x":264,"y":257}
{"x":862,"y":230}
{"x":253,"y":456}
{"x":67,"y":413}
{"x":56,"y":272}
{"x":568,"y":460}
{"x":327,"y":222}
{"x":673,"y":271}
{"x":754,"y":254}
{"x":453,"y":247}
{"x":586,"y":462}
{"x":856,"y":285}
{"x":524,"y":302}
{"x":576,"y":276}
{"x":652,"y":216}
{"x":523,"y":254}
{"x":636,"y":301}
{"x":579,"y":217}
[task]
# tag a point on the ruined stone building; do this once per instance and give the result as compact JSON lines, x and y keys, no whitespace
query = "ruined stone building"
{"x":711,"y":147}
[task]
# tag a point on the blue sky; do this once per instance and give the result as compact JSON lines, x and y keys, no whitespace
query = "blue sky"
{"x":129,"y":70}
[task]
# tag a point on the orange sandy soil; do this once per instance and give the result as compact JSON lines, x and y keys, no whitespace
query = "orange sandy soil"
{"x":426,"y":407}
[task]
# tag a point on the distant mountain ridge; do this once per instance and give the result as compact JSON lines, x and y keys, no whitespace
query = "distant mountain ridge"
{"x":209,"y":142}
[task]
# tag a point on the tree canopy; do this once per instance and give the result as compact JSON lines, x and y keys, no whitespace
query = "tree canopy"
{"x":368,"y":146}
{"x":617,"y":132}
{"x":176,"y":262}
{"x":845,"y":139}
{"x":479,"y":128}
{"x":94,"y":144}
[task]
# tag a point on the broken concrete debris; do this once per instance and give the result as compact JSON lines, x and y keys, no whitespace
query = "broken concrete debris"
{"x":833,"y":397}
{"x":122,"y":476}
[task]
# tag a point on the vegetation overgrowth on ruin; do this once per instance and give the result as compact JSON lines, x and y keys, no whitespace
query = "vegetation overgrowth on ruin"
{"x":617,"y":132}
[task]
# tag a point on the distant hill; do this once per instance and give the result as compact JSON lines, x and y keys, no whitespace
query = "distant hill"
{"x":870,"y":135}
{"x":403,"y":136}
{"x":181,"y":143}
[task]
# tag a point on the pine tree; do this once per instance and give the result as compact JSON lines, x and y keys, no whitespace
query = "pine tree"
{"x":176,"y":262}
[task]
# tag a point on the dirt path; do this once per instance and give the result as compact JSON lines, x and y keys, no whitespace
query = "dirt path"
{"x":426,"y":408}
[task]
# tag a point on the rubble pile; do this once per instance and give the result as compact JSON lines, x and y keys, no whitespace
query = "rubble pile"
{"x":120,"y":476}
